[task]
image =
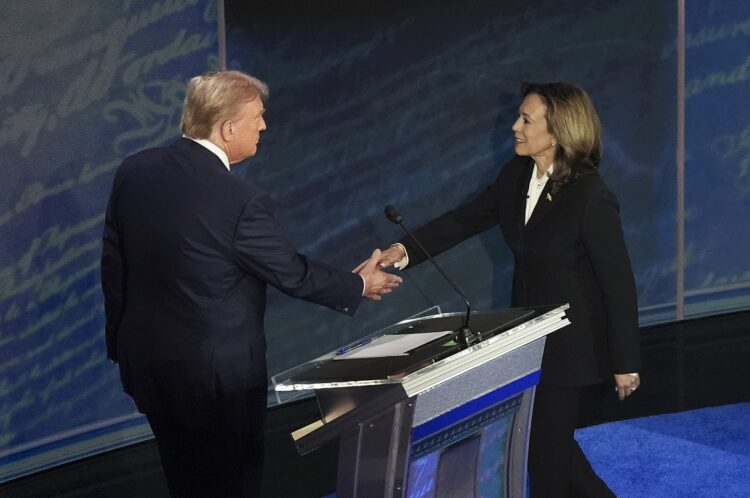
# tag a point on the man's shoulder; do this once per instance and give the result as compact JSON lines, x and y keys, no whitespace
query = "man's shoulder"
{"x":183,"y":149}
{"x":185,"y":162}
{"x":143,"y":157}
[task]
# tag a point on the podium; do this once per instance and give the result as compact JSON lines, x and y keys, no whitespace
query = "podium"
{"x":436,"y":420}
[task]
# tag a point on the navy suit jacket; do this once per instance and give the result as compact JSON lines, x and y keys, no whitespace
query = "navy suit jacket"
{"x":572,"y":250}
{"x":188,"y":251}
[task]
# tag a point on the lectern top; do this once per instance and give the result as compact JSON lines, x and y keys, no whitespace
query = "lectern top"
{"x":335,"y":370}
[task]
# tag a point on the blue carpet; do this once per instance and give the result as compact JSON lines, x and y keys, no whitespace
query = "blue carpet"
{"x":699,"y":453}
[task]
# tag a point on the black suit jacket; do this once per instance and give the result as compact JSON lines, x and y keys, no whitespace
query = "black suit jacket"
{"x":188,"y":251}
{"x":571,"y":251}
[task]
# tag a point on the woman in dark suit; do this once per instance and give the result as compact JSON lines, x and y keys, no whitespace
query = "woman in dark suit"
{"x":562,"y":224}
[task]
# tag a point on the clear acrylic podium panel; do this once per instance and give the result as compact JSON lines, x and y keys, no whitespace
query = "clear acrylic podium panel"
{"x":284,"y":388}
{"x":406,"y":421}
{"x":328,"y":372}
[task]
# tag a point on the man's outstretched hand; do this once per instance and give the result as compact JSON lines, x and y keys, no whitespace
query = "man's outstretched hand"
{"x":377,"y":282}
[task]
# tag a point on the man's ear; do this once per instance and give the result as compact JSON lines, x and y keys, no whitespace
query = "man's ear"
{"x":226,"y":130}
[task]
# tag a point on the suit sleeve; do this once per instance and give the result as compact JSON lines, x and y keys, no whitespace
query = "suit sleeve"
{"x":455,"y":226}
{"x":262,"y":249}
{"x":605,"y":245}
{"x":113,"y":279}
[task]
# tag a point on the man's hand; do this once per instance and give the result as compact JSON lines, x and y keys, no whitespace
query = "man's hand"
{"x":626,"y":384}
{"x":377,"y":282}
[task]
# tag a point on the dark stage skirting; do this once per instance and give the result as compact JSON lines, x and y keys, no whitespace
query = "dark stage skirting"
{"x":687,"y":365}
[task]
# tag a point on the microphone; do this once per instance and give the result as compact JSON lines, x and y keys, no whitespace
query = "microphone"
{"x":393,"y":215}
{"x":465,"y":337}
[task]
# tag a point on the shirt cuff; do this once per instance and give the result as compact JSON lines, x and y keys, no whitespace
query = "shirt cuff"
{"x":364,"y":284}
{"x":403,"y":262}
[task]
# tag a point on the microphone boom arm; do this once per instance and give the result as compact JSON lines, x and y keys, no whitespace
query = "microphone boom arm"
{"x":465,"y":336}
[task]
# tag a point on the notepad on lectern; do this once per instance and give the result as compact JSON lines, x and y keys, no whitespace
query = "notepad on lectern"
{"x":391,"y":345}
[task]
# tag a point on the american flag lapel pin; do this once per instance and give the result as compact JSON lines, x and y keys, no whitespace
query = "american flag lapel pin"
{"x":549,"y":197}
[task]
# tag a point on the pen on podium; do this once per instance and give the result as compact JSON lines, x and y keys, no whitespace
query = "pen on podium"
{"x":353,"y":346}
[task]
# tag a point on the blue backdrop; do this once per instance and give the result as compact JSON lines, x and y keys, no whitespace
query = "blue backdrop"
{"x":372,"y":103}
{"x":717,"y":166}
{"x":413,"y":105}
{"x":82,"y":84}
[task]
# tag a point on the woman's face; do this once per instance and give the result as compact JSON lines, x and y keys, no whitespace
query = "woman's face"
{"x":530,"y":131}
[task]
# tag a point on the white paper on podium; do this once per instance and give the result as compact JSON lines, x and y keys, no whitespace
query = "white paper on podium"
{"x":390,"y":345}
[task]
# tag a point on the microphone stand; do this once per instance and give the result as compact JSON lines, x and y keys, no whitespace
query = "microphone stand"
{"x":463,"y":335}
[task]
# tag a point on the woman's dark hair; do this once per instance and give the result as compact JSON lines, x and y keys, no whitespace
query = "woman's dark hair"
{"x":575,"y":126}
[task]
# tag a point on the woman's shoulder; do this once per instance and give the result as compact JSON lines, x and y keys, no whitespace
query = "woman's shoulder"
{"x":518,"y":163}
{"x":516,"y":167}
{"x":592,"y":191}
{"x":590,"y":181}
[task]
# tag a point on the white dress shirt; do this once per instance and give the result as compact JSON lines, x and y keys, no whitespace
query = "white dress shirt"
{"x":536,"y":185}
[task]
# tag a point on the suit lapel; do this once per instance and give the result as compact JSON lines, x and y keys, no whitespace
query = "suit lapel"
{"x":523,"y":189}
{"x":544,"y":205}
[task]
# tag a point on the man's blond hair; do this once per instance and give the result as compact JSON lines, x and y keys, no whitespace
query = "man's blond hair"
{"x":216,"y":97}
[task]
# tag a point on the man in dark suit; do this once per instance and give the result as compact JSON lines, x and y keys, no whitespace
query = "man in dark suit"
{"x":188,"y":252}
{"x":563,"y":226}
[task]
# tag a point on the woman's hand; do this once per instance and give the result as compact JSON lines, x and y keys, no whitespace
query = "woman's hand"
{"x":387,"y":258}
{"x":392,"y":255}
{"x":626,"y":384}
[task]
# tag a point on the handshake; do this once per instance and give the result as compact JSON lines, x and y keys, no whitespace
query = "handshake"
{"x":378,"y":282}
